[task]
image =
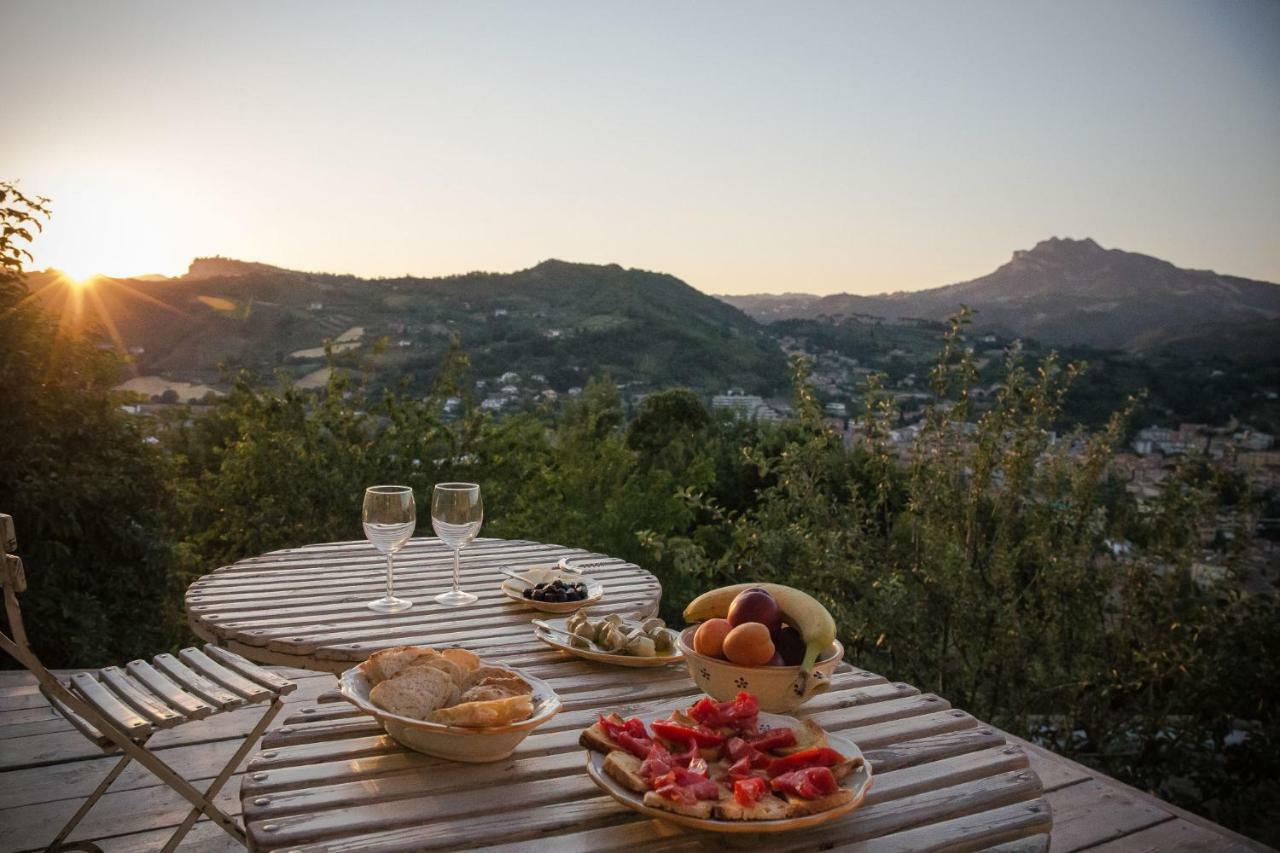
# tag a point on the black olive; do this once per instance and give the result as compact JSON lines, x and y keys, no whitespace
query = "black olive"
{"x":528,"y":593}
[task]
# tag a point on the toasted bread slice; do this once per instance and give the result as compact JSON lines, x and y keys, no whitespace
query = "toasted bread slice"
{"x":597,"y":739}
{"x":798,"y":806}
{"x":767,"y":807}
{"x":808,"y":736}
{"x":702,"y":808}
{"x":846,"y":767}
{"x":624,"y":768}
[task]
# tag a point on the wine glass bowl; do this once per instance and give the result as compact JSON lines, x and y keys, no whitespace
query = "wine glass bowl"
{"x":389,"y":516}
{"x":457,"y":512}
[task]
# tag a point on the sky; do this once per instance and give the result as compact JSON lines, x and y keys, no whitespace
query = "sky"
{"x":744,"y":147}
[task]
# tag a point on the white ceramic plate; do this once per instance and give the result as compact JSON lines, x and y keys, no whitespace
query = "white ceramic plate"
{"x":546,"y":574}
{"x":859,"y":782}
{"x":458,"y":743}
{"x":595,"y":654}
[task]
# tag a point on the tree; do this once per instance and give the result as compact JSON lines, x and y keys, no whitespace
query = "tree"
{"x":89,"y":497}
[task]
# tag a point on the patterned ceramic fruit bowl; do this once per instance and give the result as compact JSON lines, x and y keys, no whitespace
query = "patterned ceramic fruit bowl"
{"x":780,"y":689}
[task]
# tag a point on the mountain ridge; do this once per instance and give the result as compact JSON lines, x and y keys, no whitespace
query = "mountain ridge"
{"x":1062,"y":291}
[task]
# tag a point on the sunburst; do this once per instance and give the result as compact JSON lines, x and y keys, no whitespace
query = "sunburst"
{"x":79,"y":306}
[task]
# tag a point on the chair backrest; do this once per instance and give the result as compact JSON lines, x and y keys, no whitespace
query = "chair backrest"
{"x":14,"y":579}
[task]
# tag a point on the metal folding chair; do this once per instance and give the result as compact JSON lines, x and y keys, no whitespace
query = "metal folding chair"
{"x":120,"y":709}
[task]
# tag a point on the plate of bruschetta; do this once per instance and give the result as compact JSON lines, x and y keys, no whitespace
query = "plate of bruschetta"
{"x":726,"y":767}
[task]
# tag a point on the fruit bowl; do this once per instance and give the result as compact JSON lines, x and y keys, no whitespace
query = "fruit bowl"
{"x":780,"y":689}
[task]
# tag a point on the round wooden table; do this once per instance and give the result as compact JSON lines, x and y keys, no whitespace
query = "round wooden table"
{"x":305,"y":607}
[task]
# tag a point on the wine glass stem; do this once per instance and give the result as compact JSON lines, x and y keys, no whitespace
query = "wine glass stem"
{"x":457,"y":568}
{"x":391,"y":583}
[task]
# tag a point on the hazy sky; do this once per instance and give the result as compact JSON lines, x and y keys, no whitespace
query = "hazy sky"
{"x":743,"y":147}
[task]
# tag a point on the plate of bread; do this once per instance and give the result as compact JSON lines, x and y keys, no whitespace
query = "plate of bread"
{"x":449,"y":702}
{"x":726,"y":767}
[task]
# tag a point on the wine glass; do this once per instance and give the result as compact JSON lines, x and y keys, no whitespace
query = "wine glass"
{"x":456,"y":515}
{"x":389,"y":516}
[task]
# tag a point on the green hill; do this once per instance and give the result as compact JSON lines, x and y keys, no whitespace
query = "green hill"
{"x":563,"y":320}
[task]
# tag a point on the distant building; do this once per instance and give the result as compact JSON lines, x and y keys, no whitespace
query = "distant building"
{"x":575,"y":391}
{"x":838,"y":410}
{"x":747,"y":406}
{"x":509,"y":378}
{"x":492,"y":404}
{"x":499,"y":312}
{"x":404,"y":342}
{"x":510,"y":390}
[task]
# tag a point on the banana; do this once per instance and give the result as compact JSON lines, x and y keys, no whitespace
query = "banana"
{"x":800,"y":610}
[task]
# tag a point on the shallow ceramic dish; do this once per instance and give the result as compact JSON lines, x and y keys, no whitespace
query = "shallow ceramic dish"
{"x":546,"y":574}
{"x":456,"y":743}
{"x":596,"y":654}
{"x":779,"y":689}
{"x":859,"y":782}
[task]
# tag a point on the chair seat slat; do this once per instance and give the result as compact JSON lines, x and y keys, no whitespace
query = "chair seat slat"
{"x":219,"y":674}
{"x":80,"y":723}
{"x":104,"y":702}
{"x":136,"y":696}
{"x":194,"y":682}
{"x":268,"y":679}
{"x":193,"y":707}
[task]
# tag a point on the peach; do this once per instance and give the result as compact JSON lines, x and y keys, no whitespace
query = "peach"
{"x":749,"y":644}
{"x":709,"y":638}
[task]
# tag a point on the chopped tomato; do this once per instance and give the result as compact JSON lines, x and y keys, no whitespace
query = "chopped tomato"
{"x":657,"y":763}
{"x":628,"y":734}
{"x":691,"y":786}
{"x":818,"y":756}
{"x":742,"y":769}
{"x":702,"y":736}
{"x":682,"y":759}
{"x":737,"y":748}
{"x":740,"y":714}
{"x":774,"y":739}
{"x":637,"y":746}
{"x":809,"y":783}
{"x":748,"y":791}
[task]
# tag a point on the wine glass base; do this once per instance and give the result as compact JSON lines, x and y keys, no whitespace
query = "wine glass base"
{"x":389,"y":604}
{"x":455,"y":598}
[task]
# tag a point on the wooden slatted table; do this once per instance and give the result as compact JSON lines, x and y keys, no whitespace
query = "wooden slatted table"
{"x":305,"y":607}
{"x":330,"y":780}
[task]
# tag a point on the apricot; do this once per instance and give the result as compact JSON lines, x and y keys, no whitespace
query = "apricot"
{"x":709,"y":638}
{"x":749,"y":644}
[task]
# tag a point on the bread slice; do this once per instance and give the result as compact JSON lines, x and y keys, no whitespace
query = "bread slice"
{"x":624,"y":768}
{"x":798,"y":806}
{"x":808,"y":736}
{"x":389,"y":662}
{"x":702,"y":808}
{"x":597,"y":739}
{"x":490,"y":674}
{"x":767,"y":807}
{"x":416,"y":692}
{"x":463,"y":658}
{"x":846,"y":767}
{"x":494,"y":712}
{"x":455,"y":672}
